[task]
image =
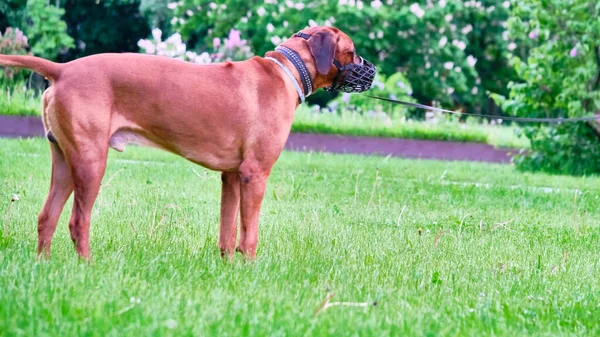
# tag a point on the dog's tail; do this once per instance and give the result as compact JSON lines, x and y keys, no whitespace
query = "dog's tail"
{"x":48,"y":69}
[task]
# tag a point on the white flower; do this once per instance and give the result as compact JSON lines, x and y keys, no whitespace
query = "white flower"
{"x":189,"y":12}
{"x":416,"y":10}
{"x":427,"y":65}
{"x":161,"y":47}
{"x":371,"y":36}
{"x":448,"y":17}
{"x":461,"y":45}
{"x":471,"y":61}
{"x":467,"y":29}
{"x":450,"y":91}
{"x":285,"y":23}
{"x":400,"y":84}
{"x":173,"y":20}
{"x":270,"y":27}
{"x":203,"y":58}
{"x":505,"y":35}
{"x":174,"y":39}
{"x":171,"y":323}
{"x":442,"y":3}
{"x":276,"y":40}
{"x":312,"y":23}
{"x":449,"y":65}
{"x":180,"y":48}
{"x":443,"y":41}
{"x":506,"y":4}
{"x":474,"y":91}
{"x":261,"y":11}
{"x":172,"y":5}
{"x":156,"y":34}
{"x":379,"y":34}
{"x":299,"y":6}
{"x":343,"y":2}
{"x":512,"y":46}
{"x":213,"y":5}
{"x":244,"y":19}
{"x":376,"y":4}
{"x":190,"y":55}
{"x":458,"y":69}
{"x":360,"y":5}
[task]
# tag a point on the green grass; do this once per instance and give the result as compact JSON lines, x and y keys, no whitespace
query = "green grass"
{"x":325,"y":226}
{"x":359,"y":125}
{"x":20,"y":102}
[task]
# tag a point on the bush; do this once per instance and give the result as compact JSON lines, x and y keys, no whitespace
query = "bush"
{"x":559,"y":78}
{"x":12,"y":42}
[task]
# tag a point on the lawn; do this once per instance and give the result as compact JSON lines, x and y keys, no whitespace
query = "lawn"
{"x":457,"y":249}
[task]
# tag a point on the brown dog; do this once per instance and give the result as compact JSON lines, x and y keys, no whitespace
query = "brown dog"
{"x":232,"y":117}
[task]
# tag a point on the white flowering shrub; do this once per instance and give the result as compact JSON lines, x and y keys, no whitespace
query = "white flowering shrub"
{"x":172,"y":47}
{"x":233,"y":48}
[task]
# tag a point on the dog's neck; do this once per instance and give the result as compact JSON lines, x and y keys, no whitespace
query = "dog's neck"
{"x":301,"y":68}
{"x":300,"y":71}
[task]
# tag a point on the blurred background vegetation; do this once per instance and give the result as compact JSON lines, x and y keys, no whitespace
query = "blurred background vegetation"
{"x":526,"y":58}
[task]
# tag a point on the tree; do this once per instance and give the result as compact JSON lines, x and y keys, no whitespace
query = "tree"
{"x":104,"y":26}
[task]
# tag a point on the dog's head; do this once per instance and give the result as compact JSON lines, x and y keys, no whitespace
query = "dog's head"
{"x":331,"y":58}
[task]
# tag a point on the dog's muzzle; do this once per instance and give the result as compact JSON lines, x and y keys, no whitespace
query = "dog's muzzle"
{"x":353,"y":77}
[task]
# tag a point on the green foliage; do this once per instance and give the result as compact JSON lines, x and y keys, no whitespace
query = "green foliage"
{"x":560,"y":77}
{"x":396,"y":86}
{"x":46,"y":30}
{"x":11,"y":13}
{"x":104,"y":26}
{"x":158,"y":14}
{"x":19,"y":101}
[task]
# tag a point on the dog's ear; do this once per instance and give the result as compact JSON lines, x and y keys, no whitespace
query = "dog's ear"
{"x":322,"y":47}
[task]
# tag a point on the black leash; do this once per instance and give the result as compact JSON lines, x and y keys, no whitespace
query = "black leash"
{"x":508,"y":118}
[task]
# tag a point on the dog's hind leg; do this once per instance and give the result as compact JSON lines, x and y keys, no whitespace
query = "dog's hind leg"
{"x":61,"y":187}
{"x":87,"y":169}
{"x":230,"y":206}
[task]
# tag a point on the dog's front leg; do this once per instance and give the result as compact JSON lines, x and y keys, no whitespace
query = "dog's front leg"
{"x":253,"y":182}
{"x":230,"y":205}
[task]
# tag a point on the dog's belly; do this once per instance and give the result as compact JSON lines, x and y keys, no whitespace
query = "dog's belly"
{"x":120,"y":139}
{"x":123,"y":137}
